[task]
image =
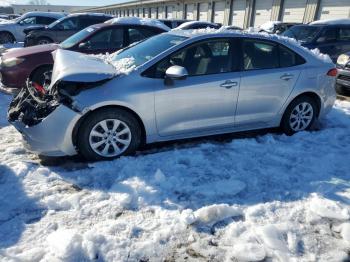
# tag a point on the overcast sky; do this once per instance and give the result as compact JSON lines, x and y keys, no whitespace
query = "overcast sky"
{"x":66,"y":2}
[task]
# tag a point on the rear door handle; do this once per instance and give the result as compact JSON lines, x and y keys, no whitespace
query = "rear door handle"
{"x":228,"y":84}
{"x":286,"y":77}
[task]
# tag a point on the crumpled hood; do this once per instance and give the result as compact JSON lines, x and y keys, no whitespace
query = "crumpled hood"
{"x":76,"y":67}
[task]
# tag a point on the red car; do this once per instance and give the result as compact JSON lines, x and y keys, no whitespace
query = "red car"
{"x":34,"y":62}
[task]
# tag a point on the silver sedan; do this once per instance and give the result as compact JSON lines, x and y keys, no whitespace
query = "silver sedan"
{"x":172,"y":86}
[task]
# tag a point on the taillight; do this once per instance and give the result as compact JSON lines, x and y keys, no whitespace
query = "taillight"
{"x":333,"y":72}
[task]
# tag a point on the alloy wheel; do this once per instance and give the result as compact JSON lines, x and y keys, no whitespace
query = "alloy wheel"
{"x":301,"y":116}
{"x":110,"y":138}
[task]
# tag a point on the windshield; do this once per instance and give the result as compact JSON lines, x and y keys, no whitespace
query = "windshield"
{"x":304,"y":34}
{"x":146,"y":50}
{"x":76,"y":38}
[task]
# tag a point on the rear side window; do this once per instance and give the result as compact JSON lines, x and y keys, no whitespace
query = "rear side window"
{"x":267,"y":55}
{"x":259,"y":55}
{"x":344,"y":34}
{"x":289,"y":58}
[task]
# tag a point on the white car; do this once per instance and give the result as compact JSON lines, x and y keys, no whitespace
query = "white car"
{"x":12,"y":30}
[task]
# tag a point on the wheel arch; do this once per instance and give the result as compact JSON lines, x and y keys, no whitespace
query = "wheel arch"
{"x":37,"y":68}
{"x":45,"y":37}
{"x":310,"y":94}
{"x":121,"y":107}
{"x":9,"y":32}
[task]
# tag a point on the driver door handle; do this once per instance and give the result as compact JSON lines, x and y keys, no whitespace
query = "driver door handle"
{"x":286,"y":77}
{"x":228,"y":84}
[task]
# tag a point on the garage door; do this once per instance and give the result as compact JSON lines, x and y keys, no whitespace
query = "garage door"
{"x":189,"y":11}
{"x":160,"y":12}
{"x":140,"y":12}
{"x":203,"y":12}
{"x":153,"y":12}
{"x":238,"y":12}
{"x":262,"y":12}
{"x":330,"y":9}
{"x":169,"y":12}
{"x":219,"y":12}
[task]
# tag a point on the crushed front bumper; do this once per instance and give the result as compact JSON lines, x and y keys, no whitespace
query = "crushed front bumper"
{"x":52,"y":135}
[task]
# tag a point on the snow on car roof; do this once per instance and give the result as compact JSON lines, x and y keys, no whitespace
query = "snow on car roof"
{"x":185,"y":24}
{"x":344,"y":21}
{"x":139,"y":21}
{"x":48,"y":14}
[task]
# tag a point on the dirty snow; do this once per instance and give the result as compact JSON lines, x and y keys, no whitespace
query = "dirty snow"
{"x":238,"y":198}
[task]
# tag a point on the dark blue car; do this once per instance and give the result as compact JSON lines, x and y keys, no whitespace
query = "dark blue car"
{"x":332,"y":39}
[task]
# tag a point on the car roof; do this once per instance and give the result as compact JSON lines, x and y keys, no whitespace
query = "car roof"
{"x":344,"y":21}
{"x":91,"y":14}
{"x":47,"y":14}
{"x":139,"y":21}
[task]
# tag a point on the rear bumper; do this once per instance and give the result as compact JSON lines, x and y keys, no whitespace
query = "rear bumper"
{"x":52,"y":136}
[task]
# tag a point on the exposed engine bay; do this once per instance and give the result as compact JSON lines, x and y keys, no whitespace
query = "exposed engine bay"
{"x":34,"y":102}
{"x":31,"y":105}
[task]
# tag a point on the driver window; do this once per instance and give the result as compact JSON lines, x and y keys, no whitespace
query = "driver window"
{"x":210,"y":57}
{"x":28,"y":21}
{"x":68,"y":24}
{"x":106,"y":39}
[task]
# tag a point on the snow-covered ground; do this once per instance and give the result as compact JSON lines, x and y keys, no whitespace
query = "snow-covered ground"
{"x":268,"y":197}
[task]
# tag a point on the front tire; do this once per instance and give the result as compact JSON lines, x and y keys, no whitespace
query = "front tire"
{"x":300,"y":115}
{"x":44,"y":41}
{"x":107,"y":134}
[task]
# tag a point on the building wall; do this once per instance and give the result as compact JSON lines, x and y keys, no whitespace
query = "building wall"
{"x":255,"y":13}
{"x":21,"y":9}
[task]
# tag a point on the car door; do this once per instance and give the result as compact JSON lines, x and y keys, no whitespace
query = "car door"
{"x":269,"y":73}
{"x":327,"y":42}
{"x":103,"y":41}
{"x":206,"y":100}
{"x":23,"y":24}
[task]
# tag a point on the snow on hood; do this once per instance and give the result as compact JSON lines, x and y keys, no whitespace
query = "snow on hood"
{"x":139,"y":21}
{"x":77,"y":67}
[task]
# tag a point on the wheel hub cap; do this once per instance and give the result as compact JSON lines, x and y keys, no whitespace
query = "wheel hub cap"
{"x":301,"y":116}
{"x":110,"y":137}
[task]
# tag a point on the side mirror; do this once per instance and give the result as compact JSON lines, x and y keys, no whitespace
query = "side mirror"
{"x":175,"y":73}
{"x":84,"y":45}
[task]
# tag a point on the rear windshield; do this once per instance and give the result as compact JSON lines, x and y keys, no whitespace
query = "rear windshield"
{"x":304,"y":34}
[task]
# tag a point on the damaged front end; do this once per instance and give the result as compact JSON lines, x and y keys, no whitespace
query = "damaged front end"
{"x":31,"y":105}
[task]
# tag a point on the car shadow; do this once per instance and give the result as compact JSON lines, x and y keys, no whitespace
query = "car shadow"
{"x":17,"y":208}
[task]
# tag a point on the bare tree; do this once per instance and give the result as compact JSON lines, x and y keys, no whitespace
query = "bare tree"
{"x":38,"y":2}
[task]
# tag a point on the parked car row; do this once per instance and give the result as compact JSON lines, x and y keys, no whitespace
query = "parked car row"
{"x":13,"y":30}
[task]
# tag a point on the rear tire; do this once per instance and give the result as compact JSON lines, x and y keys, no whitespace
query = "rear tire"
{"x":300,"y":115}
{"x":38,"y":76}
{"x":6,"y":37}
{"x":107,"y":134}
